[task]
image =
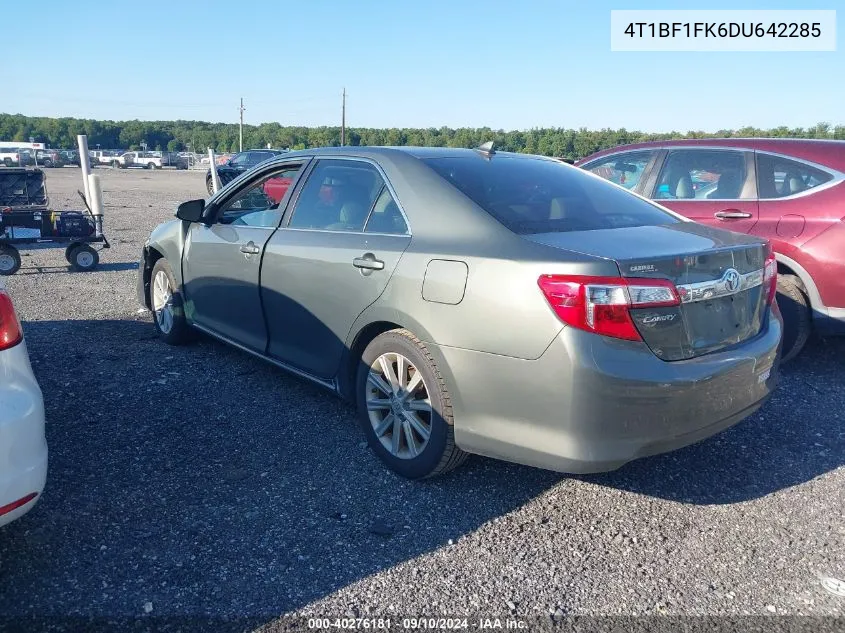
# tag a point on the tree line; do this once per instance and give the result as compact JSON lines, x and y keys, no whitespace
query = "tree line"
{"x":197,"y":136}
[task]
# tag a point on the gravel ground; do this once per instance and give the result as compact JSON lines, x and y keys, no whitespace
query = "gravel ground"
{"x":199,"y":481}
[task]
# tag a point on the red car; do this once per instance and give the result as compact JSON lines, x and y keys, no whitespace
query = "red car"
{"x":789,"y":191}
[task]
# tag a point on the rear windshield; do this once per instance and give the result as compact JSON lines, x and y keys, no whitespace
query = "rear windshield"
{"x":539,"y":196}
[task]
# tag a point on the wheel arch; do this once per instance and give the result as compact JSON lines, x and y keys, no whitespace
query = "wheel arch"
{"x":788,"y":266}
{"x":151,"y":256}
{"x":367,"y":327}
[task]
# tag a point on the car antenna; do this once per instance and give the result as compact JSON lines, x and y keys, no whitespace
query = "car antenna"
{"x":486,"y":149}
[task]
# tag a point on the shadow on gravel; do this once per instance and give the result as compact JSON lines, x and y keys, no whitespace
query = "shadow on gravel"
{"x":51,"y":270}
{"x":201,"y":481}
{"x":799,"y":434}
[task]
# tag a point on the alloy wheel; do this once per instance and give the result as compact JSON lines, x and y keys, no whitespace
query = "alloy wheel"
{"x":398,"y":405}
{"x":163,"y":302}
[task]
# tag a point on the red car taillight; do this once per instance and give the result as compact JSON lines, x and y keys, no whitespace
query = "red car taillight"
{"x":770,"y":274}
{"x":10,"y":327}
{"x":602,"y":304}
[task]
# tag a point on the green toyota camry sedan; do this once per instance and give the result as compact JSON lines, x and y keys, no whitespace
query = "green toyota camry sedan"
{"x":475,"y":301}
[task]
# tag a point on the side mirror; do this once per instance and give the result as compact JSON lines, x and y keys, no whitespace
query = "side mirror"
{"x":190,"y":211}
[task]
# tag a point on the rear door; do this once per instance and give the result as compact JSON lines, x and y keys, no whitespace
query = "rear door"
{"x":789,"y":208}
{"x":330,"y":260}
{"x":222,"y":260}
{"x":713,"y":186}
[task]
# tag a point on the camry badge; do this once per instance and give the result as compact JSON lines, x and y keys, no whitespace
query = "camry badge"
{"x":658,"y":318}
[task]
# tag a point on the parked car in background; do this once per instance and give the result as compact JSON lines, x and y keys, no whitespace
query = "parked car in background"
{"x":174,"y":159}
{"x":71,"y":157}
{"x":477,"y":302}
{"x":10,"y":156}
{"x":150,"y":160}
{"x":104,"y":156}
{"x":49,"y":158}
{"x":27,"y":157}
{"x":788,"y":191}
{"x":238,"y":164}
{"x":23,"y":447}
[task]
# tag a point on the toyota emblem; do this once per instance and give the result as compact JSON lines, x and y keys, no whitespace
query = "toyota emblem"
{"x":731,"y":279}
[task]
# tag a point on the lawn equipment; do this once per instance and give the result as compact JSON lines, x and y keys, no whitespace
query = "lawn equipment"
{"x":26,"y":220}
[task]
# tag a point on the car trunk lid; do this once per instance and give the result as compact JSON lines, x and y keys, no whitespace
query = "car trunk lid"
{"x":719,"y":277}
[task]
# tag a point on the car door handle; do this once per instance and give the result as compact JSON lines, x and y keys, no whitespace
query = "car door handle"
{"x":250,"y":248}
{"x":368,"y":261}
{"x":731,"y":214}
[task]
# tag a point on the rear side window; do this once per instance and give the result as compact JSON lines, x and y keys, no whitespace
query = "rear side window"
{"x":538,"y":196}
{"x":702,"y":175}
{"x":338,"y":196}
{"x":780,"y":177}
{"x":623,"y":169}
{"x":386,"y":216}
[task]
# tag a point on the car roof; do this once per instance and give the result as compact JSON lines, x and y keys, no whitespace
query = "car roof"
{"x":826,"y":151}
{"x":373,"y":151}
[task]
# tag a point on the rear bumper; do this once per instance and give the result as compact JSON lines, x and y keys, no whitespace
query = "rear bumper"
{"x":23,"y":447}
{"x":591,"y":404}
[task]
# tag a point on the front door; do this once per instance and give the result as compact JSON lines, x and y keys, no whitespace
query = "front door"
{"x":329,"y":262}
{"x":222,"y":260}
{"x":712,"y":186}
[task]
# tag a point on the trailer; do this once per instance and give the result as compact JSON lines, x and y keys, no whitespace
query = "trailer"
{"x":27,"y":222}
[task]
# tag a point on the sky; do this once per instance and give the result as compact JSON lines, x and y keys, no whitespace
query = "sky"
{"x":509,"y":65}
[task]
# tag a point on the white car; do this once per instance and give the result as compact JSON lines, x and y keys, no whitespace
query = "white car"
{"x":23,"y":447}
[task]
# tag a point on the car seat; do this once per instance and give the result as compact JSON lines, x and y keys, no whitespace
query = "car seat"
{"x":794,"y":184}
{"x":353,"y":210}
{"x":728,"y":187}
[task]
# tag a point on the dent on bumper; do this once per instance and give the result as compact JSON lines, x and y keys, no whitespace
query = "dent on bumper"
{"x":591,"y":404}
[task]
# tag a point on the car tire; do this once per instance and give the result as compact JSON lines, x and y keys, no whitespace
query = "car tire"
{"x":167,"y":307}
{"x":83,"y":258}
{"x":795,"y":308}
{"x":209,"y":185}
{"x":10,"y":260}
{"x":151,"y":165}
{"x":424,"y":409}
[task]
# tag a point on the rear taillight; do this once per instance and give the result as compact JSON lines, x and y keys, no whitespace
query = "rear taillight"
{"x":770,"y":274}
{"x":10,"y":327}
{"x":602,"y":304}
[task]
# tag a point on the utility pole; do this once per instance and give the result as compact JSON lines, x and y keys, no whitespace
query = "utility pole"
{"x":343,"y":120}
{"x":241,"y":136}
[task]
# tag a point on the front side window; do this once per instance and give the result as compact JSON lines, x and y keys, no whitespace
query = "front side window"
{"x":780,"y":177}
{"x":257,"y":204}
{"x":623,"y":169}
{"x":702,"y":175}
{"x":530,"y":195}
{"x":338,"y":196}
